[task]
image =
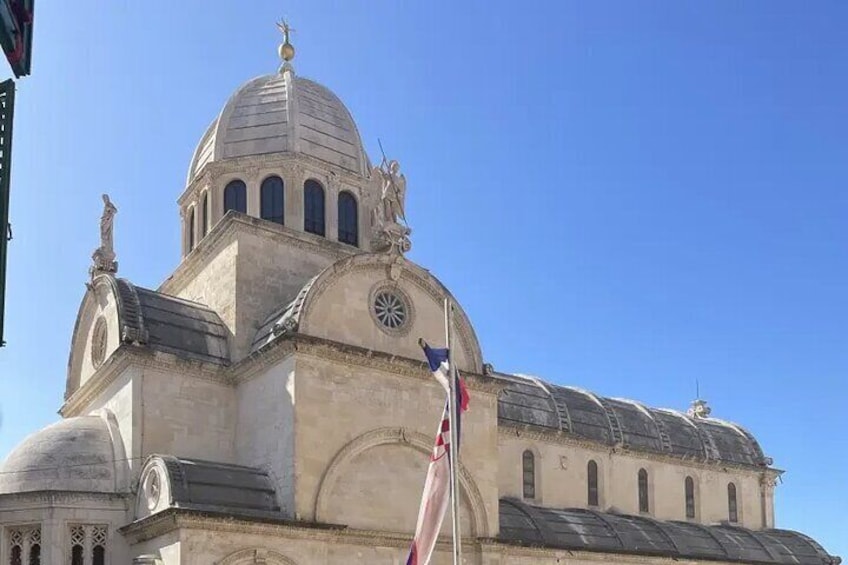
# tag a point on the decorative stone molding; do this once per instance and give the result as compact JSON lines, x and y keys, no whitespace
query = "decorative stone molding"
{"x":131,"y":355}
{"x":350,"y":355}
{"x":176,"y":518}
{"x":255,"y":556}
{"x":296,"y":162}
{"x":399,"y":436}
{"x":37,"y":500}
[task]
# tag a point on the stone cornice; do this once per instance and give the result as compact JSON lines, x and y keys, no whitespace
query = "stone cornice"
{"x":505,"y":548}
{"x":114,"y":366}
{"x":176,"y":519}
{"x":128,"y":355}
{"x":350,"y":355}
{"x":52,"y":499}
{"x":558,"y":437}
{"x":224,"y":233}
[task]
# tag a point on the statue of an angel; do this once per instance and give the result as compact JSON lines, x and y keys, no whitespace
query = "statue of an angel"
{"x":393,"y":193}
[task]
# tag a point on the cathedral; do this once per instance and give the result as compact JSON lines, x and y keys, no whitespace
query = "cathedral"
{"x":269,"y":402}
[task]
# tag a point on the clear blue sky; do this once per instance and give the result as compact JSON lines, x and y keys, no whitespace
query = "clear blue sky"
{"x":625,"y":196}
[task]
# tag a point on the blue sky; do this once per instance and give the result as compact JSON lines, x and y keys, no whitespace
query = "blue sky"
{"x":637,"y":194}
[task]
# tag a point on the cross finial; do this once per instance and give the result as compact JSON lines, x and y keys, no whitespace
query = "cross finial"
{"x":286,"y":50}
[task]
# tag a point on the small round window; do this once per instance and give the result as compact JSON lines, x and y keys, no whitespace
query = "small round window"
{"x":98,"y":342}
{"x":390,"y":310}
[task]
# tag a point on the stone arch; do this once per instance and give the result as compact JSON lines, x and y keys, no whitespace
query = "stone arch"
{"x":398,"y":270}
{"x":255,"y":555}
{"x":400,"y":436}
{"x":116,"y":300}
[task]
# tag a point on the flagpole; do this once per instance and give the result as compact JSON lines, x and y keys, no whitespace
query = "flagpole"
{"x":454,"y":436}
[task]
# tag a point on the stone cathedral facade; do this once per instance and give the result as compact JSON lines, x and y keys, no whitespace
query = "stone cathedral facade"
{"x":268,"y":403}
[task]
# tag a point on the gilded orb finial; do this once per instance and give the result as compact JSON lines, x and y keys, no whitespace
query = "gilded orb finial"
{"x":286,"y":49}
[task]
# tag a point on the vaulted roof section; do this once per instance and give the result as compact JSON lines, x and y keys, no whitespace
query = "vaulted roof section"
{"x":589,"y":530}
{"x":626,"y":423}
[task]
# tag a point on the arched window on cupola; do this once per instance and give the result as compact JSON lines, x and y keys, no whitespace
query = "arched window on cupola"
{"x":592,"y":472}
{"x":732,"y":508}
{"x":643,"y":491}
{"x":272,"y":200}
{"x":348,"y":219}
{"x":190,"y":229}
{"x":689,"y":487}
{"x":313,"y":207}
{"x":235,"y":197}
{"x":528,"y":468}
{"x":204,"y":214}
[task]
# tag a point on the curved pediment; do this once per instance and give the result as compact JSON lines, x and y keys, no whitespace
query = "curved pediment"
{"x":97,"y":332}
{"x":115,"y":312}
{"x":380,"y":302}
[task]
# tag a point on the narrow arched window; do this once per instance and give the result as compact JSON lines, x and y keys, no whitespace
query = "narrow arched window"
{"x":592,"y":472}
{"x":98,"y":555}
{"x":190,"y":228}
{"x":16,"y":557}
{"x":690,"y":497}
{"x":528,"y":467}
{"x":204,"y":215}
{"x":235,"y":197}
{"x":643,"y":491}
{"x":732,"y":510}
{"x":272,"y":199}
{"x":76,"y":555}
{"x":313,"y":207}
{"x":348,"y":219}
{"x":35,"y":554}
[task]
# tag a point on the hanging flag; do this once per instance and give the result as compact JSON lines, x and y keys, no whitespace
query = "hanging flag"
{"x":436,"y":496}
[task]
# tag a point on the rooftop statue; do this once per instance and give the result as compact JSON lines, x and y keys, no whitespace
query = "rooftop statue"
{"x":103,"y":258}
{"x":389,"y":217}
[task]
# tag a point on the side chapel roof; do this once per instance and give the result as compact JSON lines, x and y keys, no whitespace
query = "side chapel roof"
{"x":612,"y":421}
{"x":589,"y":530}
{"x":212,"y":486}
{"x":170,"y":324}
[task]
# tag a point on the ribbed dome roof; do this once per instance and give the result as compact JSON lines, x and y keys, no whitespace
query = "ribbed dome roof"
{"x":282,"y":113}
{"x":74,"y":454}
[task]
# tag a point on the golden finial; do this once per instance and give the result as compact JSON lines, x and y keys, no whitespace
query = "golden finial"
{"x":286,"y":50}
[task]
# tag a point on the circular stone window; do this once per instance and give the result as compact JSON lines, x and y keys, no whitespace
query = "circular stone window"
{"x":98,"y":342}
{"x":152,"y":489}
{"x":391,"y":309}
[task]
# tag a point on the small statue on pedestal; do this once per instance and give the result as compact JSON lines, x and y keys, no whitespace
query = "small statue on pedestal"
{"x":103,"y":258}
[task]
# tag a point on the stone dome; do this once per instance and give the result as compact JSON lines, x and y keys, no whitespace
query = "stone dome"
{"x":283,"y":113}
{"x":75,"y":454}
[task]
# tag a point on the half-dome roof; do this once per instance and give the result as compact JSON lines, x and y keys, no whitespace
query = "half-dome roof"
{"x":75,"y":454}
{"x":611,"y":421}
{"x":283,"y":113}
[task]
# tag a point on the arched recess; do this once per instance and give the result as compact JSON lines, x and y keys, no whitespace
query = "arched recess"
{"x":251,"y":556}
{"x":398,"y":436}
